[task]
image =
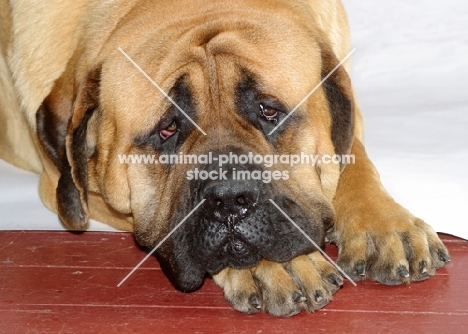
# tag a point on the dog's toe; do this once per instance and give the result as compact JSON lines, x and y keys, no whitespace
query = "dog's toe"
{"x":240,"y":290}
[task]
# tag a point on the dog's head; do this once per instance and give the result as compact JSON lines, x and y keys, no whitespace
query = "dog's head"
{"x":231,"y":79}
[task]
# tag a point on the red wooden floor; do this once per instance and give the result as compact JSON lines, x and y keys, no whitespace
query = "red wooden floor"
{"x":59,"y":282}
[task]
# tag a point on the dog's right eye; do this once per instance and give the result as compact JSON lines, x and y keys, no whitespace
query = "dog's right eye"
{"x":169,"y":131}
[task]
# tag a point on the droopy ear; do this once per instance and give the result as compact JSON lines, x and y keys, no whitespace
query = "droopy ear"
{"x":340,"y":100}
{"x":62,"y":126}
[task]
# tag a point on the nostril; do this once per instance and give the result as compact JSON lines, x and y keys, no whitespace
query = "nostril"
{"x":241,"y":199}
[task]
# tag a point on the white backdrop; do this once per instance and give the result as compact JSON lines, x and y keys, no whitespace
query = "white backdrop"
{"x":410,"y":71}
{"x":411,"y":77}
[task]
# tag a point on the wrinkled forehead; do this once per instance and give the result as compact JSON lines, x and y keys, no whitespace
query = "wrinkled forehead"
{"x":269,"y":44}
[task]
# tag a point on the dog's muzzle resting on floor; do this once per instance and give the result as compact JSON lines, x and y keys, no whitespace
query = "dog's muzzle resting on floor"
{"x":71,"y":103}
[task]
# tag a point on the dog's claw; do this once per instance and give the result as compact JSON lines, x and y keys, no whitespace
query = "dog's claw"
{"x":361,"y":268}
{"x":318,"y":296}
{"x":335,"y":280}
{"x":403,"y":272}
{"x":298,"y":298}
{"x":423,"y":267}
{"x":443,"y":256}
{"x":254,"y":300}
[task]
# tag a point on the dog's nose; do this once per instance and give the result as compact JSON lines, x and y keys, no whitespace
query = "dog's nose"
{"x":231,"y":198}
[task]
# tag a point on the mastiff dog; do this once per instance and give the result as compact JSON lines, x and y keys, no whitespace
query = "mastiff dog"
{"x":84,"y":83}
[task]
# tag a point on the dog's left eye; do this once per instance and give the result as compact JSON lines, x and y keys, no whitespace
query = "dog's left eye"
{"x":268,"y":113}
{"x":169,"y":131}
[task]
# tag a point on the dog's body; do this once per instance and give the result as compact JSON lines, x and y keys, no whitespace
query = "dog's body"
{"x":71,"y":102}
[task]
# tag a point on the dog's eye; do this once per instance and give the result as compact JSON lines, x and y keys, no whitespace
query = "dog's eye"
{"x":169,"y":131}
{"x":268,"y":113}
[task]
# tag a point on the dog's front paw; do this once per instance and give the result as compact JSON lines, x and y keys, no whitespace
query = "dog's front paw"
{"x":390,"y":249}
{"x":282,"y":289}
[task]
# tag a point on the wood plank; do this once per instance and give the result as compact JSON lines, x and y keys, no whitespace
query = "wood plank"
{"x":67,"y":249}
{"x":110,"y":319}
{"x":92,"y":286}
